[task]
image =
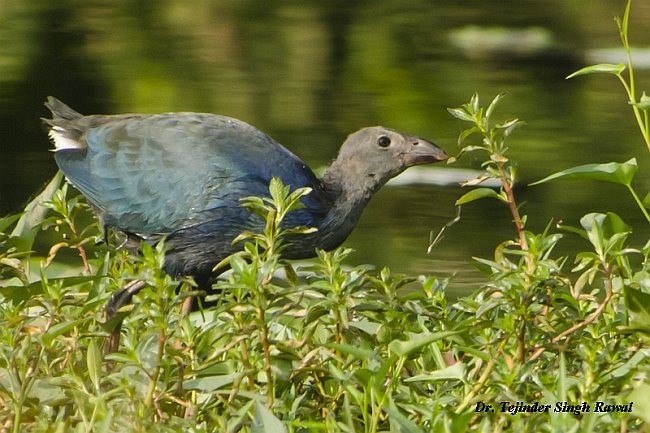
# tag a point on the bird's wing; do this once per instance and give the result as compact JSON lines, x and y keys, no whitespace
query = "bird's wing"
{"x":151,"y":174}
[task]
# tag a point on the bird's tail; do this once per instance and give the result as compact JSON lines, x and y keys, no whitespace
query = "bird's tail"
{"x":62,"y":130}
{"x":60,"y":110}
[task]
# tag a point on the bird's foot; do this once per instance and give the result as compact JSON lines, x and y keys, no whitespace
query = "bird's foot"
{"x":113,"y":320}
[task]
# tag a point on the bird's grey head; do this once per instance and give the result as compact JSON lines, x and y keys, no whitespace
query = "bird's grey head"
{"x":375,"y":154}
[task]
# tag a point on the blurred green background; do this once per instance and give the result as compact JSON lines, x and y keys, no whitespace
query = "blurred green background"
{"x":309,"y":73}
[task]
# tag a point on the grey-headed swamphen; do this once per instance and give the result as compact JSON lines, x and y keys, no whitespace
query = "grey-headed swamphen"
{"x":182,"y":175}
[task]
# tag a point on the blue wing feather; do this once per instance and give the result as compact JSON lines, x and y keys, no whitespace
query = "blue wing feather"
{"x":160,"y":173}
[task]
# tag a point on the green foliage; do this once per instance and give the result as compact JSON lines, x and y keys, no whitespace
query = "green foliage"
{"x":329,"y":348}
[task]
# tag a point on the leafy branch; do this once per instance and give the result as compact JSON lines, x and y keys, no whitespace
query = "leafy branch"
{"x":497,"y":165}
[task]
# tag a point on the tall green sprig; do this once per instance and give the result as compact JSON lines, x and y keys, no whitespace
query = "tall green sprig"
{"x":497,"y":165}
{"x":640,"y":105}
{"x":256,"y":266}
{"x":614,"y":172}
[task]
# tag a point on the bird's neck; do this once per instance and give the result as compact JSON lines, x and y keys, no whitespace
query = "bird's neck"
{"x":347,"y":182}
{"x":349,"y":195}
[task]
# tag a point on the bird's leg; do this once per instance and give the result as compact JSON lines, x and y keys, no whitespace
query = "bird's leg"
{"x":118,"y":300}
{"x":187,"y":305}
{"x":124,"y":296}
{"x":203,"y":286}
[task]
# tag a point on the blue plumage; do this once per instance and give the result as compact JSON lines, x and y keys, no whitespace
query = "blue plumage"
{"x":183,"y":174}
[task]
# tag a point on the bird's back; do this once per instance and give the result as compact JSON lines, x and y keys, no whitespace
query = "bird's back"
{"x":154,"y":174}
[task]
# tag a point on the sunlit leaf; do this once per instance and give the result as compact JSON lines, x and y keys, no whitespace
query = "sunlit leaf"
{"x":453,"y":372}
{"x":265,"y":422}
{"x":630,"y":365}
{"x":481,"y":354}
{"x":603,"y":68}
{"x":477,"y":194}
{"x":499,"y":158}
{"x":35,"y":212}
{"x":467,"y":133}
{"x":59,"y":329}
{"x":609,"y":223}
{"x":399,"y":423}
{"x":476,"y":181}
{"x":357,"y":352}
{"x":7,"y":221}
{"x":641,"y":401}
{"x":22,"y":293}
{"x":474,"y":103}
{"x":623,"y":24}
{"x":562,"y":379}
{"x":638,"y":304}
{"x":621,"y":173}
{"x":461,"y":114}
{"x":493,"y":105}
{"x":210,"y":383}
{"x":415,"y":342}
{"x":643,"y":103}
{"x":94,"y":364}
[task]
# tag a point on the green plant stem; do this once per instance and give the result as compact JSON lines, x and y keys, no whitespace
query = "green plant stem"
{"x":162,"y":340}
{"x":266,"y":348}
{"x":80,"y":248}
{"x":521,"y":340}
{"x":644,"y":126}
{"x":242,"y":340}
{"x":483,"y":378}
{"x":642,"y":121}
{"x":638,"y":201}
{"x":25,"y":385}
{"x":512,"y":204}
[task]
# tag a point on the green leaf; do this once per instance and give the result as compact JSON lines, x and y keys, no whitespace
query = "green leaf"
{"x":461,"y":114}
{"x":623,"y":24}
{"x":467,"y":133}
{"x":638,"y":305}
{"x":646,"y":201}
{"x":265,"y":422}
{"x":357,"y":352}
{"x":7,"y":221}
{"x":399,"y":423}
{"x":641,"y":401}
{"x":59,"y":329}
{"x":94,"y":364}
{"x":210,"y":383}
{"x":22,"y":293}
{"x":484,"y":355}
{"x":621,"y":173}
{"x":603,"y":68}
{"x":562,"y":379}
{"x":35,"y":213}
{"x":493,"y":105}
{"x":608,"y":224}
{"x":473,"y":105}
{"x":644,"y":102}
{"x":629,"y":367}
{"x":453,"y":372}
{"x":477,"y":194}
{"x":403,"y":348}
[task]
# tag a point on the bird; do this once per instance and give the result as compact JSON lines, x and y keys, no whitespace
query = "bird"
{"x":181,"y":176}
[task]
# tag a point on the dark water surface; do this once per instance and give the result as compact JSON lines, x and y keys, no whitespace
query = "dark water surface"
{"x":309,"y":73}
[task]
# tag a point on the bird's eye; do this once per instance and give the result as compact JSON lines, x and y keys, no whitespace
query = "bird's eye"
{"x":383,"y":141}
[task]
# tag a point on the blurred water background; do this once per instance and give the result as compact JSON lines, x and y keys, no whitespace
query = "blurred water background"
{"x":308,"y":73}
